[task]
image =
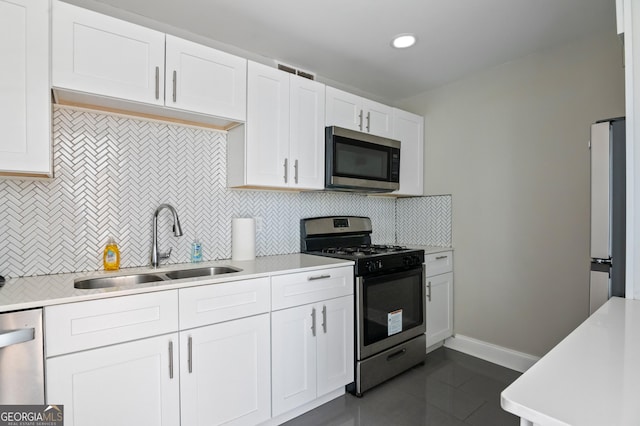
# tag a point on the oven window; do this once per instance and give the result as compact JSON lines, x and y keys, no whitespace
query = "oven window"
{"x":392,"y":304}
{"x":367,"y":160}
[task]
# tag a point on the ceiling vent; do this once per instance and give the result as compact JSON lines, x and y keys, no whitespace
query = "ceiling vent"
{"x":291,"y":70}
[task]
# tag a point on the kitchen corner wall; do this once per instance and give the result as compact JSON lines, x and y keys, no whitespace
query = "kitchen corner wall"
{"x":112,"y":172}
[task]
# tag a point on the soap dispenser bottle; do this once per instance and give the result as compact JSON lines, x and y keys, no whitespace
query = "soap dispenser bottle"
{"x":196,"y":251}
{"x":111,"y":256}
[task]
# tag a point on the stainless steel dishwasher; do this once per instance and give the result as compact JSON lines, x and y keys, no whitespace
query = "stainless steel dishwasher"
{"x":21,"y":358}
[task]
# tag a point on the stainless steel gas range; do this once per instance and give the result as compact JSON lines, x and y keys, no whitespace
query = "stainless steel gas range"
{"x":390,"y":319}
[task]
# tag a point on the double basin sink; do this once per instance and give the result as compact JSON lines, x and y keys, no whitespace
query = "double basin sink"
{"x":133,"y":279}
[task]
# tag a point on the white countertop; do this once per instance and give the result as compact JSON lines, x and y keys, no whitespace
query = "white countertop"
{"x":45,"y":290}
{"x":429,"y":249}
{"x":590,"y":378}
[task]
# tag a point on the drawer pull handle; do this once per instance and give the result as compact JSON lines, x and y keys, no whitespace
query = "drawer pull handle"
{"x":319,"y":277}
{"x":441,"y":257}
{"x":397,"y":354}
{"x":170,"y":359}
{"x":190,"y":356}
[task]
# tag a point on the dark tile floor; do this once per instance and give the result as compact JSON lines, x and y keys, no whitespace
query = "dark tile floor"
{"x":451,"y":389}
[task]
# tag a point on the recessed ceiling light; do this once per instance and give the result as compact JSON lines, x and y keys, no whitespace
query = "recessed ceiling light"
{"x":402,"y":41}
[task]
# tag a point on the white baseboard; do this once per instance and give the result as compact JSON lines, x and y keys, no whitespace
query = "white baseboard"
{"x":505,"y":357}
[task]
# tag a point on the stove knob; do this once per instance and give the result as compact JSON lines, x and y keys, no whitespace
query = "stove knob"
{"x":370,"y":266}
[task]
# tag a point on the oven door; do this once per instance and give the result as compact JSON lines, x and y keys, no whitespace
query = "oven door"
{"x":390,"y":310}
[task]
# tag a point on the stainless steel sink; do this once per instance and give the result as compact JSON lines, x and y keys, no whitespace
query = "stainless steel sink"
{"x":133,"y":279}
{"x":122,"y":280}
{"x":200,"y":272}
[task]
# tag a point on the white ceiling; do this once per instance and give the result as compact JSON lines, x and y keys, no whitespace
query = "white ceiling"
{"x":348,"y":41}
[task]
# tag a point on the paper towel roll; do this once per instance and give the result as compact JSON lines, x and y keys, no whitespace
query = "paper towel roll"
{"x":243,"y":238}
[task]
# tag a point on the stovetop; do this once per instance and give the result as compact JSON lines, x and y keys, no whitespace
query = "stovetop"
{"x":364,"y":250}
{"x":349,"y":237}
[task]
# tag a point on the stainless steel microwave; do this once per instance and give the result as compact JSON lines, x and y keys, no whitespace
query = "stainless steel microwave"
{"x":356,"y":161}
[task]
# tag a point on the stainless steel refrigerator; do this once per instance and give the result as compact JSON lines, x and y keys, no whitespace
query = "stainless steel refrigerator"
{"x":608,"y":211}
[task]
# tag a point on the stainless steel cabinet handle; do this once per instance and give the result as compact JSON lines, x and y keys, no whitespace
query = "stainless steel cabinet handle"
{"x":286,"y":170}
{"x":360,"y":117}
{"x":313,"y":322}
{"x":318,"y":277}
{"x":175,"y":82}
{"x":190,"y":355}
{"x":441,"y":257}
{"x":368,"y":121}
{"x":170,"y":359}
{"x":324,"y":319}
{"x":295,"y":168}
{"x":157,"y":82}
{"x":429,"y":294}
{"x":13,"y":337}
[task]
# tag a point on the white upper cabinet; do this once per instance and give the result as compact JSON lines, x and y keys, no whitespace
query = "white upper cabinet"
{"x":205,"y":80}
{"x":353,"y":112}
{"x":282,"y":143}
{"x":267,"y":126}
{"x":98,"y":54}
{"x":306,"y":132}
{"x":25,"y":111}
{"x":408,"y":128}
{"x":103,"y":61}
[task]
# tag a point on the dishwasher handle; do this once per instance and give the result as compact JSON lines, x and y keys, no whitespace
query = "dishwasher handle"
{"x":13,"y":337}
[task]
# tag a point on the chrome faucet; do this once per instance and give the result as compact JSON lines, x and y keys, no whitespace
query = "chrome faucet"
{"x":156,"y":256}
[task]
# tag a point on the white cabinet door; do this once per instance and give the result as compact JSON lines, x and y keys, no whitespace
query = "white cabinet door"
{"x":293,"y":366}
{"x":25,"y":110}
{"x":335,"y":344}
{"x":205,"y":80}
{"x":353,"y":112}
{"x":126,"y":384}
{"x":377,"y":118}
{"x":98,"y":54}
{"x":225,"y":373}
{"x":307,"y":133}
{"x":439,"y":308}
{"x":267,"y":143}
{"x":408,"y":128}
{"x":344,"y":109}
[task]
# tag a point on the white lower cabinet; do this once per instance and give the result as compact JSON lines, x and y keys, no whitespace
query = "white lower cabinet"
{"x":312,"y":351}
{"x":439,"y":275}
{"x":132,"y":383}
{"x":204,"y":355}
{"x":225,"y":373}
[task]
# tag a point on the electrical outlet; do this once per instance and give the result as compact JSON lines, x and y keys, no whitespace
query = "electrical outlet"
{"x":258,"y":224}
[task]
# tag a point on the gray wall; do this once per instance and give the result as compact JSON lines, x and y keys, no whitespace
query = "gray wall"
{"x":510,"y":145}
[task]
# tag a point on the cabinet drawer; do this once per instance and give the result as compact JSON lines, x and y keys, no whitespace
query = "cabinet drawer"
{"x":222,"y":302}
{"x":84,"y":325}
{"x":309,"y":287}
{"x":438,"y":263}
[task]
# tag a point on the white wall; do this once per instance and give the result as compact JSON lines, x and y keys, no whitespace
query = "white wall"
{"x":510,"y":145}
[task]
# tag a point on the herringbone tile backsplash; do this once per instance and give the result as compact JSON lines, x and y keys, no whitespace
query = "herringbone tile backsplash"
{"x":111,"y":172}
